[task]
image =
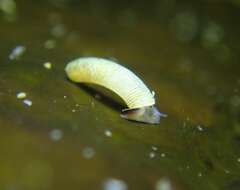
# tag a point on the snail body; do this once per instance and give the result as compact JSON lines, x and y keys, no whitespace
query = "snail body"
{"x":139,"y":99}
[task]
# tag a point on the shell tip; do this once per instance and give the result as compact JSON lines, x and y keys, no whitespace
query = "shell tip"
{"x":149,"y":114}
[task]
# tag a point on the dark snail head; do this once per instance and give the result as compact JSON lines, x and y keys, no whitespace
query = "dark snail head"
{"x":148,"y":114}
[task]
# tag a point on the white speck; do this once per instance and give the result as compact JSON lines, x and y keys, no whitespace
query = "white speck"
{"x":199,"y":127}
{"x":50,"y":44}
{"x":163,"y":155}
{"x":55,"y":134}
{"x":59,"y":30}
{"x":114,"y":184}
{"x":108,"y":133}
{"x":73,"y":110}
{"x":47,"y":65}
{"x":64,"y":97}
{"x":17,"y":52}
{"x":77,"y":105}
{"x":199,"y":174}
{"x":152,"y":154}
{"x":88,"y":152}
{"x":21,"y":95}
{"x":154,"y":148}
{"x":27,"y":102}
{"x":163,"y":184}
{"x":238,"y":159}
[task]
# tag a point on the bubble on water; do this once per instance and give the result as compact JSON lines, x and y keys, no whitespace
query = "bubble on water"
{"x":114,"y":184}
{"x":163,"y":184}
{"x":56,"y":134}
{"x":88,"y":152}
{"x":17,"y":52}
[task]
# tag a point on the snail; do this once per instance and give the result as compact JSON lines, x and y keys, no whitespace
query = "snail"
{"x":109,"y":74}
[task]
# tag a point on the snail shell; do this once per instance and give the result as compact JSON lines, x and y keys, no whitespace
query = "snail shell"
{"x":139,"y":99}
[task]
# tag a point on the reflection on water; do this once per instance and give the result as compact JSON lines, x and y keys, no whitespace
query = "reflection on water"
{"x":58,"y":135}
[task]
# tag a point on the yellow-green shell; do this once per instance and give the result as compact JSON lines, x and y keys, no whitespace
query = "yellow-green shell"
{"x":113,"y":76}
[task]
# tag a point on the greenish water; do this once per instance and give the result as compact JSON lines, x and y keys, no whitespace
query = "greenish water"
{"x":70,"y":138}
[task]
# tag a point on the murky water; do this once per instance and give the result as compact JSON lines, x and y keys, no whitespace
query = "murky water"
{"x":68,"y":136}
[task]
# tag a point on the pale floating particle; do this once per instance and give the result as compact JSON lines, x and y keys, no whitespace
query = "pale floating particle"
{"x":227,"y":171}
{"x":64,"y":97}
{"x":9,"y":8}
{"x":21,"y":95}
{"x":76,"y":105}
{"x":50,"y":44}
{"x":212,"y":35}
{"x":199,"y":174}
{"x":114,"y":184}
{"x":59,"y":30}
{"x":27,"y":102}
{"x":88,"y":152}
{"x":163,"y":155}
{"x":163,"y":184}
{"x":238,"y":159}
{"x":154,"y":148}
{"x":17,"y":52}
{"x":55,"y":134}
{"x":152,"y":154}
{"x":108,"y":133}
{"x":73,"y":110}
{"x":199,"y":127}
{"x":185,"y":25}
{"x":47,"y":65}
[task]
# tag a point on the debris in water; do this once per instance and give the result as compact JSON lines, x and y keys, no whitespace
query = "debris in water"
{"x":47,"y":65}
{"x":21,"y":95}
{"x":64,"y":97}
{"x":27,"y":102}
{"x":73,"y":110}
{"x":238,"y":159}
{"x":114,"y":184}
{"x":55,"y":134}
{"x":199,"y":174}
{"x":88,"y":152}
{"x":108,"y":133}
{"x":17,"y":52}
